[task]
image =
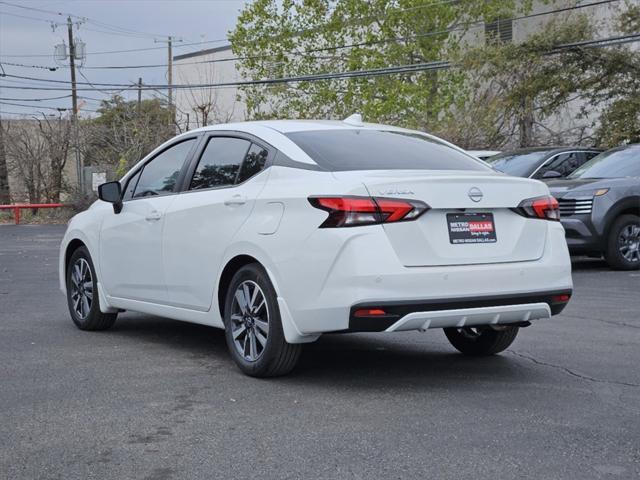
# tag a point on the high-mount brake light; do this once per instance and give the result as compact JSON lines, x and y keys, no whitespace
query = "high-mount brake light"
{"x":546,"y":208}
{"x":353,"y":211}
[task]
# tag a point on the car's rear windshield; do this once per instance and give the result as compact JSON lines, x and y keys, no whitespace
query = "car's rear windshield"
{"x":341,"y":150}
{"x":616,"y":163}
{"x":519,"y":164}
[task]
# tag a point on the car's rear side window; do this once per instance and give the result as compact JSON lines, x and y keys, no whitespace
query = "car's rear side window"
{"x":340,"y":150}
{"x":253,"y":163}
{"x":220,"y":162}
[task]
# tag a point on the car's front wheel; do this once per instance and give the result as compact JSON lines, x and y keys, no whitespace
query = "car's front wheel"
{"x":481,"y":341}
{"x":623,"y":244}
{"x":82,"y":294}
{"x":253,"y":328}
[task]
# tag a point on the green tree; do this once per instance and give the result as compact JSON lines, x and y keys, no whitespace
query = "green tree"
{"x":518,"y":90}
{"x":520,"y":86}
{"x":293,"y":38}
{"x":614,"y":83}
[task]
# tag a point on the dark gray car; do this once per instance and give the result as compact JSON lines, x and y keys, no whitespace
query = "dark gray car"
{"x":542,"y":162}
{"x":600,"y":207}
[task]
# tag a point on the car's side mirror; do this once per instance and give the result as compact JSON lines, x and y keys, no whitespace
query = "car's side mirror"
{"x":552,"y":174}
{"x":111,"y":192}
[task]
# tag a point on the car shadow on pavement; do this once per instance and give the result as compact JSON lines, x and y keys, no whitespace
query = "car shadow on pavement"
{"x":588,"y":263}
{"x":172,"y":334}
{"x":363,"y":361}
{"x":371,"y":361}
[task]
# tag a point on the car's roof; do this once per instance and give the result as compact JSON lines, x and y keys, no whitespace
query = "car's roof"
{"x":268,"y":130}
{"x":289,"y":126}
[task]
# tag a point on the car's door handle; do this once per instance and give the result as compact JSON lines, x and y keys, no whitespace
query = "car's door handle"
{"x":153,"y":216}
{"x":236,"y":200}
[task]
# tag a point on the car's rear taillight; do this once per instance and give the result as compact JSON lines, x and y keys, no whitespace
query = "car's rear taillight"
{"x":352,"y":211}
{"x":546,"y":208}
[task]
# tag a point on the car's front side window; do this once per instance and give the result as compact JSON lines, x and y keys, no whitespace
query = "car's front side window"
{"x":130,"y":186}
{"x":160,"y":175}
{"x":563,"y":163}
{"x":220,"y":163}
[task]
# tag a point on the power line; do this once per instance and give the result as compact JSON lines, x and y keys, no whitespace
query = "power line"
{"x":35,"y":99}
{"x":23,"y":114}
{"x":588,"y":43}
{"x":408,"y":68}
{"x":43,"y":67}
{"x":89,"y":83}
{"x":107,"y":52}
{"x":82,"y":18}
{"x":60,"y":109}
{"x":27,"y":17}
{"x":462,"y":27}
{"x":34,"y":9}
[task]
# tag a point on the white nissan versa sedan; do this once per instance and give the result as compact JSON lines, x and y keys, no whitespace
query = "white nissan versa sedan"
{"x":280,"y":231}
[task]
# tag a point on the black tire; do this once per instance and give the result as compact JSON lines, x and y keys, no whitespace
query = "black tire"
{"x":614,"y":256}
{"x":481,"y":341}
{"x":94,"y":319}
{"x":277,"y":357}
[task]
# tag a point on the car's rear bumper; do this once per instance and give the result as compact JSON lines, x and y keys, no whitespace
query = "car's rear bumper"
{"x":366,"y":271}
{"x":459,"y":312}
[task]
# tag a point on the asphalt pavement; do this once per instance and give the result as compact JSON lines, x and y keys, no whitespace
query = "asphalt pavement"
{"x":159,"y":399}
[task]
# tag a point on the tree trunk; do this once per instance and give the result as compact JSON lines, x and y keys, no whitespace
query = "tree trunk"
{"x":525,"y":124}
{"x":4,"y":173}
{"x":56,"y":184}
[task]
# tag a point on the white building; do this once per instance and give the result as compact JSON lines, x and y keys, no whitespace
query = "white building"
{"x":199,"y":107}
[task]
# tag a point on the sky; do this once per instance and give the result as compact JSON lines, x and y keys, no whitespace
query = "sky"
{"x":111,"y":25}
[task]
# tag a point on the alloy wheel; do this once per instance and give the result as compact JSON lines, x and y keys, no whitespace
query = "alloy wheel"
{"x":249,"y":320}
{"x":629,"y":243}
{"x":81,"y":288}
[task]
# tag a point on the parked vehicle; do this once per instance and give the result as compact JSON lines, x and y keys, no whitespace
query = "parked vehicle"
{"x":483,"y":154}
{"x":600,"y":207}
{"x":542,"y":163}
{"x":281,"y":231}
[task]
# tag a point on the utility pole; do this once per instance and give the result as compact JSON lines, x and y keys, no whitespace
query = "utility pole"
{"x":170,"y":73}
{"x":4,"y":174}
{"x":139,"y":95}
{"x":172,"y":111}
{"x":74,"y":103}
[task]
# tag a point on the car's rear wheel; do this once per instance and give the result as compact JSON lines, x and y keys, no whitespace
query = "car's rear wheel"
{"x":481,"y":340}
{"x":253,"y":328}
{"x":82,"y":294}
{"x":623,"y":244}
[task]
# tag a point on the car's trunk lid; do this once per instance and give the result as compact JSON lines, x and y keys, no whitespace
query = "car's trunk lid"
{"x":459,"y":196}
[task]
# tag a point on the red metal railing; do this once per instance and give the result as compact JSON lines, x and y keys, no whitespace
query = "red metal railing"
{"x":19,"y":206}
